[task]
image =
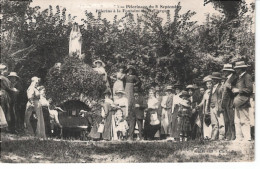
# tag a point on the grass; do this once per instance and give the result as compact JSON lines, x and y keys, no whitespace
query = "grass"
{"x":50,"y":151}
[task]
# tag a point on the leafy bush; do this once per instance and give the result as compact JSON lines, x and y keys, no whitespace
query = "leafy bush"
{"x":74,"y":81}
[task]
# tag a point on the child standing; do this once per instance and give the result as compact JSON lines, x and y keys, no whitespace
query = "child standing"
{"x":184,"y":115}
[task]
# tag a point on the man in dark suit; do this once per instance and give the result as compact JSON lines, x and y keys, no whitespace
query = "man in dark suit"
{"x":227,"y":101}
{"x":242,"y":90}
{"x":216,"y":112}
{"x":137,"y":115}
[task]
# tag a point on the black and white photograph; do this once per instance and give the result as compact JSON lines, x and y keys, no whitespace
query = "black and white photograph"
{"x":133,"y":81}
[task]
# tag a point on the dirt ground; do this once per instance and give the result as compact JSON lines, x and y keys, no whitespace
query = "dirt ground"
{"x":16,"y":149}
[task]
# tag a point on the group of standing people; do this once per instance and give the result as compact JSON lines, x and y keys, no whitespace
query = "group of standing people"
{"x":37,"y":119}
{"x":222,"y":111}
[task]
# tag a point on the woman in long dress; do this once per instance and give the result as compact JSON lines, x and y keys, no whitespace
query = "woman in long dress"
{"x":166,"y":115}
{"x":45,"y":109}
{"x":119,"y":84}
{"x":3,"y":122}
{"x":109,"y":110}
{"x":175,"y":134}
{"x":131,"y":81}
{"x":34,"y":107}
{"x":100,"y":69}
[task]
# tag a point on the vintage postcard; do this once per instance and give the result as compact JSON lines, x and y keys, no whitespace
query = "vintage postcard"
{"x":131,"y":81}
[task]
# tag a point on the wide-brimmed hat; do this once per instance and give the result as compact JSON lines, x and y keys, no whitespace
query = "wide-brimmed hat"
{"x":99,"y":61}
{"x":169,"y":88}
{"x":13,"y":74}
{"x":184,"y":93}
{"x":240,"y":64}
{"x":120,"y":91}
{"x":191,"y":87}
{"x":216,"y":75}
{"x":35,"y":79}
{"x":207,"y":78}
{"x":177,"y":85}
{"x":2,"y":67}
{"x":185,"y":103}
{"x":228,"y":67}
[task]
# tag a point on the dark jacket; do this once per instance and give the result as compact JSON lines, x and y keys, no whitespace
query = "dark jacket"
{"x":227,"y":95}
{"x":245,"y":86}
{"x":139,"y":111}
{"x":216,"y":98}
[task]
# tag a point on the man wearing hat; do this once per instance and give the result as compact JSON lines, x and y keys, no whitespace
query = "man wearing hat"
{"x":15,"y":101}
{"x":216,"y":112}
{"x":7,"y":92}
{"x":166,"y":116}
{"x":138,"y":115}
{"x":195,"y":117}
{"x":227,"y":101}
{"x":242,"y":91}
{"x":205,"y":104}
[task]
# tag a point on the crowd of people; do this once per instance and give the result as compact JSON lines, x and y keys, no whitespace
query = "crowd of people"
{"x":221,"y":109}
{"x":38,"y":118}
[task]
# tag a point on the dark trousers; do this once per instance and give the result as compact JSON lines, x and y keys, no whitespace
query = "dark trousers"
{"x":140,"y":127}
{"x":131,"y":123}
{"x":229,"y":115}
{"x":13,"y":120}
{"x":46,"y":117}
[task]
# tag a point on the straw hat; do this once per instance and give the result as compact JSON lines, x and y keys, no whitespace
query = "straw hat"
{"x":184,"y":93}
{"x":216,"y":75}
{"x":13,"y":74}
{"x":120,"y":91}
{"x":2,"y":67}
{"x":169,"y":88}
{"x":191,"y":87}
{"x":240,"y":64}
{"x":35,"y":79}
{"x":99,"y":61}
{"x":207,"y":78}
{"x":228,"y":67}
{"x":177,"y":85}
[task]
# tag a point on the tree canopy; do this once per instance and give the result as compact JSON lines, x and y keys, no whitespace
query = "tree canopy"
{"x":179,"y":50}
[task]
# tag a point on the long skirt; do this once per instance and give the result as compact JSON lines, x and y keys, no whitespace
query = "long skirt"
{"x":40,"y":126}
{"x":175,"y":132}
{"x":108,"y":129}
{"x":184,"y":126}
{"x":164,"y":122}
{"x":94,"y":134}
{"x":129,"y":90}
{"x":46,"y":116}
{"x":118,"y":85}
{"x":3,"y":122}
{"x":5,"y":104}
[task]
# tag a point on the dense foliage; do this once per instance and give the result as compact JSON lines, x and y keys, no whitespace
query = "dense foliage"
{"x":179,"y":50}
{"x":74,"y":80}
